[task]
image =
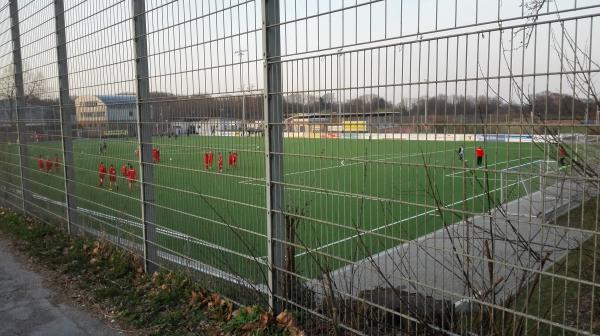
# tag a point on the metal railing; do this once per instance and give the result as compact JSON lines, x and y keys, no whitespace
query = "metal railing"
{"x":322,"y":156}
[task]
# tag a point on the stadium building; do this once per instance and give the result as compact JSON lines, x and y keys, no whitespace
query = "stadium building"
{"x":336,"y":124}
{"x":106,"y":116}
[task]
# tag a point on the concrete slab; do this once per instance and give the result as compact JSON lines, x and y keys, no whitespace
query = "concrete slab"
{"x":27,"y":308}
{"x":442,"y":263}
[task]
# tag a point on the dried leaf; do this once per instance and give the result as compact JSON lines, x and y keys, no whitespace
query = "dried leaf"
{"x":284,"y":318}
{"x":294,"y":331}
{"x":229,"y":310}
{"x":265,"y":320}
{"x":194,"y":298}
{"x":249,"y":326}
{"x":215,"y":298}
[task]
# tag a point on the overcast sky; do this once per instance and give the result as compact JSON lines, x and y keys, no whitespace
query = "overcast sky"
{"x":399,"y":49}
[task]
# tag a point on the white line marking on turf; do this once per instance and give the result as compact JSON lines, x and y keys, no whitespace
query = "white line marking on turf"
{"x":491,"y":165}
{"x":393,"y":223}
{"x":163,"y":231}
{"x":400,"y":156}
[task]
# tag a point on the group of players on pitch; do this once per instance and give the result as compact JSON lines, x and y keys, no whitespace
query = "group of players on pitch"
{"x":128,"y":173}
{"x":48,"y":165}
{"x":208,"y":160}
{"x":480,"y":153}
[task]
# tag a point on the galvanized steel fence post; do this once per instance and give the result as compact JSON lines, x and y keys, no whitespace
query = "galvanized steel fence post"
{"x":19,"y":94}
{"x":273,"y":115}
{"x":144,"y":131}
{"x":66,"y":114}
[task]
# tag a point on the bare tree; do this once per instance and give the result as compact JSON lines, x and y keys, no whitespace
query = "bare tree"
{"x":34,"y":87}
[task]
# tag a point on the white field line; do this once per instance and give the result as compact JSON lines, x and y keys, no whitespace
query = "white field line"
{"x":522,"y":165}
{"x":163,"y":231}
{"x":397,"y":222}
{"x":341,"y":164}
{"x":215,"y":272}
{"x":492,"y":165}
{"x":182,"y":261}
{"x":199,"y":152}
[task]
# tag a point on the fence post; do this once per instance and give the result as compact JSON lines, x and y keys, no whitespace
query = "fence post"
{"x":273,"y":115}
{"x":66,"y":115}
{"x":18,"y":101}
{"x":144,"y":131}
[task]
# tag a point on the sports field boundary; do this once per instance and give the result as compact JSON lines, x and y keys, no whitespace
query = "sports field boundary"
{"x":403,"y":220}
{"x":165,"y":255}
{"x":433,"y":264}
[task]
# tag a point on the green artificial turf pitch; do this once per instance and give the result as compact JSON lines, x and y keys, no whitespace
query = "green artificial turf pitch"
{"x":339,"y":188}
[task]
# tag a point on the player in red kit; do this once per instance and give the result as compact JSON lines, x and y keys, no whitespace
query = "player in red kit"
{"x":40,"y":163}
{"x":56,"y":164}
{"x":101,"y":174}
{"x":234,"y":159}
{"x":131,"y":177}
{"x":155,"y":155}
{"x":220,"y":162}
{"x":479,"y":153}
{"x":48,"y":165}
{"x":562,"y":154}
{"x":112,"y":178}
{"x":210,"y":159}
{"x":124,"y":170}
{"x":230,"y":160}
{"x":206,"y":161}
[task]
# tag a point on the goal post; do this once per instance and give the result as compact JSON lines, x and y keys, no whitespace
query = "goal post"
{"x":528,"y":178}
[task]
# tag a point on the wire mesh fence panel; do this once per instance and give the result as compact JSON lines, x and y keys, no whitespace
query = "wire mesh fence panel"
{"x":11,"y":174}
{"x":429,"y":161}
{"x":377,"y":167}
{"x":101,"y":75}
{"x":38,"y":107}
{"x":204,"y":59}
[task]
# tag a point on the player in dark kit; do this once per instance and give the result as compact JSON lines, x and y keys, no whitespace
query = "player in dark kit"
{"x":461,"y":153}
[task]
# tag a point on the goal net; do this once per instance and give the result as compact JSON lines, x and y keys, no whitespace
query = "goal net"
{"x":528,"y":178}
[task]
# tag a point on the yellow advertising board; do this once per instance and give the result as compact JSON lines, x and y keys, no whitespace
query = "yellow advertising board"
{"x":355,"y":126}
{"x":115,"y":133}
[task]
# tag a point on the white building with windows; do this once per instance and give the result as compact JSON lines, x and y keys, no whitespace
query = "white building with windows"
{"x":104,"y":115}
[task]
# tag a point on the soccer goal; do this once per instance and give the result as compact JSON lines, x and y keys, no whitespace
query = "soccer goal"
{"x":528,"y":178}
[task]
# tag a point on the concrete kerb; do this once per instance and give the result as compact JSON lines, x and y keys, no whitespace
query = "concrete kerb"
{"x":429,"y":266}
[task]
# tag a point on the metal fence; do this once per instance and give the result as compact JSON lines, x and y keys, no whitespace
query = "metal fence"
{"x":376,"y":167}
